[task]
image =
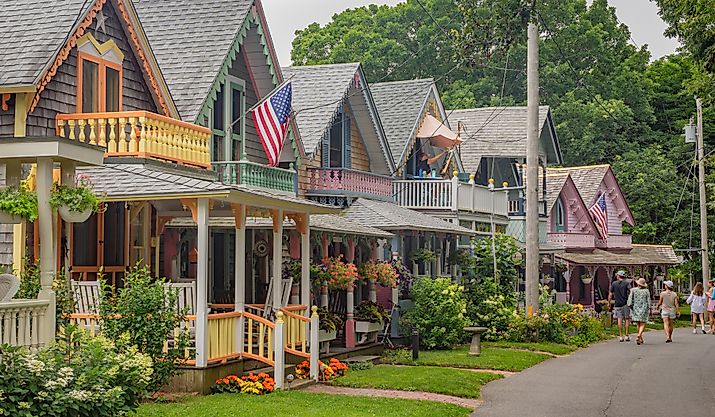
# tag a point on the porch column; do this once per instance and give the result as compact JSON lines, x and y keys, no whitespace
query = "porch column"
{"x":68,"y":171}
{"x":372,"y":290}
{"x":324,"y":286}
{"x":47,"y":261}
{"x":305,"y":265}
{"x":567,"y":277}
{"x":438,"y":251}
{"x":350,"y":321}
{"x":239,"y":213}
{"x":394,"y":311}
{"x":13,"y":175}
{"x":202,"y":281}
{"x":277,"y":259}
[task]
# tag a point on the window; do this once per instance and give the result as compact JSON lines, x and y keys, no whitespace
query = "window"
{"x":337,"y":142}
{"x":99,"y":84}
{"x":227,"y":112}
{"x":560,"y":217}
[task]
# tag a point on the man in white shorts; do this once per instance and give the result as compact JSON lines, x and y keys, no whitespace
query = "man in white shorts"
{"x":618,"y":295}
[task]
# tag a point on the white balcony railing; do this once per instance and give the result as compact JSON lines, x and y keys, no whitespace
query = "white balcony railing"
{"x":439,"y":194}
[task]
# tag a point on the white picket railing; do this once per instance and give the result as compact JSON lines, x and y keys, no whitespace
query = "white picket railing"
{"x":21,"y":323}
{"x":439,"y":194}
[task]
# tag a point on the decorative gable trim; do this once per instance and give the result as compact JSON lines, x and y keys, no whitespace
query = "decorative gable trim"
{"x":102,"y":50}
{"x":78,"y":34}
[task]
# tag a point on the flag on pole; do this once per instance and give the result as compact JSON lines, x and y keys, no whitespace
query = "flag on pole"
{"x":271,"y":118}
{"x":599,"y":213}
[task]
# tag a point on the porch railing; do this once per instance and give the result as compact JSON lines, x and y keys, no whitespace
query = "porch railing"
{"x":21,"y":322}
{"x":572,"y":240}
{"x":440,"y":194}
{"x":141,"y":134}
{"x":296,"y":331}
{"x":615,"y":242}
{"x":349,"y":183}
{"x":256,"y":175}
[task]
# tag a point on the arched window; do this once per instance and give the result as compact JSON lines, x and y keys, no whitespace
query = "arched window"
{"x":560,"y":217}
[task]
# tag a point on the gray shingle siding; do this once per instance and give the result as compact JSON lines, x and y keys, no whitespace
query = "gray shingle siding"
{"x":60,"y":94}
{"x":7,"y":118}
{"x":5,"y":233}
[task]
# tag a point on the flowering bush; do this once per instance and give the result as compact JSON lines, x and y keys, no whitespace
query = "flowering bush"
{"x":257,"y":384}
{"x":439,"y":312}
{"x":332,"y":370}
{"x":383,"y":273}
{"x":495,"y":313}
{"x":338,"y":274}
{"x":558,"y":323}
{"x":77,"y":376}
{"x":404,"y":278}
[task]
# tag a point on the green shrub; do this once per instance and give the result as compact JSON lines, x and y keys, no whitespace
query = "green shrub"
{"x":360,"y":366}
{"x":79,"y":376}
{"x":147,"y":313}
{"x":396,"y":356}
{"x":495,"y":313}
{"x":439,"y":312}
{"x":30,"y":284}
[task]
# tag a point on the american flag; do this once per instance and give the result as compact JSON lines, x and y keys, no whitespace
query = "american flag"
{"x":272,"y":117}
{"x":600,"y":216}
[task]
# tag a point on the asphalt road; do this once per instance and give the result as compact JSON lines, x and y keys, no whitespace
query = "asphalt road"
{"x":614,"y":379}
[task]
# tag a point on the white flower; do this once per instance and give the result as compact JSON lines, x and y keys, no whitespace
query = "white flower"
{"x":34,"y":366}
{"x":79,"y":395}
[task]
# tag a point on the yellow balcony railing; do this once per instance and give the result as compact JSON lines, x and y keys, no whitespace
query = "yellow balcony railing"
{"x":140,"y":134}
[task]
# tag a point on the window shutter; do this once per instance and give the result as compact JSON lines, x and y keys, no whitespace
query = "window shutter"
{"x":325,"y":150}
{"x":347,"y":142}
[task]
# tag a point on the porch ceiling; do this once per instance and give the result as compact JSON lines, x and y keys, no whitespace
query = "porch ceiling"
{"x":28,"y":149}
{"x":153,"y":182}
{"x":639,"y":255}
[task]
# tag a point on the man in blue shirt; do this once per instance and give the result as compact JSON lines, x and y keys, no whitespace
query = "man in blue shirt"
{"x":618,"y":295}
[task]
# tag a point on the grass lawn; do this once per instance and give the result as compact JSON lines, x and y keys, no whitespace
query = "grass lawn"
{"x":491,"y":358}
{"x":456,"y":382}
{"x":299,"y":404}
{"x":554,"y":348}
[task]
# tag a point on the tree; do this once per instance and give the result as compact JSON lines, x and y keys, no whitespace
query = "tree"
{"x":693,"y":23}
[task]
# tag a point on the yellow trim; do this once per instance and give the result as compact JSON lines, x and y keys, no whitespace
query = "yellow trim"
{"x":102,"y":48}
{"x":21,"y":104}
{"x":18,"y":245}
{"x":18,"y":89}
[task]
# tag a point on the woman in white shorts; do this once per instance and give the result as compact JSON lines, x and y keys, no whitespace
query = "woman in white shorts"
{"x":669,"y":309}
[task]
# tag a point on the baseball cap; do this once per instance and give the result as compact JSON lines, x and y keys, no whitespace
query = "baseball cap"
{"x":668,"y":283}
{"x":621,"y":273}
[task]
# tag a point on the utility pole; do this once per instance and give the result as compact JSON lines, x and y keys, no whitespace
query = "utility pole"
{"x":703,"y":202}
{"x":532,"y":172}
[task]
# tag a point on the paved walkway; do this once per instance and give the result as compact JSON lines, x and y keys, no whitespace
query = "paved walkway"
{"x":389,"y":393}
{"x":614,"y":379}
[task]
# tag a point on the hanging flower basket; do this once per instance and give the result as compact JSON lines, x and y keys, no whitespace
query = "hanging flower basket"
{"x":586,"y":279}
{"x":7,"y":218}
{"x":17,"y":203}
{"x":75,"y":203}
{"x":382,"y":273}
{"x":338,"y":274}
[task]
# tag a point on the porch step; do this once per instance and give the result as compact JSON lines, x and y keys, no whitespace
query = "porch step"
{"x":362,"y":358}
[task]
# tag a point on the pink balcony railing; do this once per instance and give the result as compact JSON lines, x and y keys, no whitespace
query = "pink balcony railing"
{"x":615,"y":242}
{"x":350,"y":183}
{"x":572,"y":240}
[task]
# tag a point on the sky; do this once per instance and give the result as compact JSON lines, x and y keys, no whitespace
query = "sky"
{"x":287,"y":16}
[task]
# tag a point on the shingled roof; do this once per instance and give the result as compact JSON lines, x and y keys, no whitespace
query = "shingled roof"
{"x":400,"y":104}
{"x":501,"y":132}
{"x":555,"y":182}
{"x":586,"y":178}
{"x":318,"y":92}
{"x":190,"y":40}
{"x":391,"y":217}
{"x":639,"y":255}
{"x":31,"y":33}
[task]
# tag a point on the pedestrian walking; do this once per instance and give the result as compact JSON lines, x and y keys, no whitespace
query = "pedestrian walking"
{"x":698,"y":302}
{"x":618,"y":295}
{"x":639,"y":302}
{"x":669,"y":309}
{"x":710,"y":293}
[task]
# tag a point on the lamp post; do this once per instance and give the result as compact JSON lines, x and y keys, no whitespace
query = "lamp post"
{"x":491,"y":220}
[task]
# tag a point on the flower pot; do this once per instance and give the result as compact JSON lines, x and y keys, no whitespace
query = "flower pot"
{"x":586,"y":280}
{"x":326,"y":336}
{"x":74,"y":216}
{"x":7,"y":218}
{"x":367,"y":327}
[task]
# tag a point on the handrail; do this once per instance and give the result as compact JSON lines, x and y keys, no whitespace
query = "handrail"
{"x":259,"y":319}
{"x":347,"y":181}
{"x":295,"y":316}
{"x":256,"y":175}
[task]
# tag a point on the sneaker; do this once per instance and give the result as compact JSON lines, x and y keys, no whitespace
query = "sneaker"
{"x":628,"y":338}
{"x":704,"y":332}
{"x":695,"y":331}
{"x":620,"y":339}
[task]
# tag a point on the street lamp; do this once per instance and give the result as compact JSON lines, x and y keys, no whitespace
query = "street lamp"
{"x":491,"y":220}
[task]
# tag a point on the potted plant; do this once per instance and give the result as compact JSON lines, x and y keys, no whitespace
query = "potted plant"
{"x":586,"y":278}
{"x":560,"y":267}
{"x":329,"y":324}
{"x":369,"y":317}
{"x":75,"y":203}
{"x":423,"y":255}
{"x":382,"y":273}
{"x":17,"y":203}
{"x":338,"y":274}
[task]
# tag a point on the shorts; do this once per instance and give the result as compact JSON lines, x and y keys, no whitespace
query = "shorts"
{"x":667,"y":314}
{"x":711,"y":305}
{"x":623,"y":312}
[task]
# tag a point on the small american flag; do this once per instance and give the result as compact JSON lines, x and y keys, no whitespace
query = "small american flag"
{"x":600,"y":216}
{"x":272,"y":117}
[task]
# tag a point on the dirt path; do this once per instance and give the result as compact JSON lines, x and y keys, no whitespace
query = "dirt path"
{"x":408,"y":395}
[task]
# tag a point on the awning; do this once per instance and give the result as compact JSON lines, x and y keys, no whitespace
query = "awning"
{"x":639,"y":255}
{"x":438,"y":133}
